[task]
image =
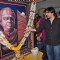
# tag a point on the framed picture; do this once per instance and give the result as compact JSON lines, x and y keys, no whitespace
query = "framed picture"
{"x":13,"y":23}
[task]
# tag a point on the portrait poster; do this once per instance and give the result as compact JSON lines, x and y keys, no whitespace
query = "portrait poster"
{"x":20,"y":24}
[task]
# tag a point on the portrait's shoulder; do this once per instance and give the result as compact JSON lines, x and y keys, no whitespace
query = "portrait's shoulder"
{"x":14,"y":31}
{"x":1,"y":28}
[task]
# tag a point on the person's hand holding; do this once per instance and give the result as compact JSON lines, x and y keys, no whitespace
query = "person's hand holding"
{"x":28,"y":29}
{"x":32,"y":29}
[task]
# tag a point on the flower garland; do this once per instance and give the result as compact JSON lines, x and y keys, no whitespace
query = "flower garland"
{"x":6,"y":43}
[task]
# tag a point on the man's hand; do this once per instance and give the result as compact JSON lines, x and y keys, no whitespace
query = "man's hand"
{"x":33,"y":30}
{"x":29,"y":29}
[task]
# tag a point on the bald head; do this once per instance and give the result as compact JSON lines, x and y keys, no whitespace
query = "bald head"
{"x":7,"y":11}
{"x":7,"y":18}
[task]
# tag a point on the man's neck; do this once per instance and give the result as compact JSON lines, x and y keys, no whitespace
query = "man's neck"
{"x":52,"y":19}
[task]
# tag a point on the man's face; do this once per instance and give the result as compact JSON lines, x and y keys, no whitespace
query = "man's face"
{"x":48,"y":14}
{"x":7,"y":19}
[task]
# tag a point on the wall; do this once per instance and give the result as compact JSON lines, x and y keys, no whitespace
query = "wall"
{"x":47,"y":3}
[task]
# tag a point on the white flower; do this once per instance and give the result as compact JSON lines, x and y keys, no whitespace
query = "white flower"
{"x":1,"y":35}
{"x":23,"y":14}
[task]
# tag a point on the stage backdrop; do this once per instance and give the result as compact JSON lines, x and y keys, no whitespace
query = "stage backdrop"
{"x":20,"y":23}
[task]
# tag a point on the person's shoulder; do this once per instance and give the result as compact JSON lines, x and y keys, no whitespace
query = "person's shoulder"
{"x":46,"y":20}
{"x":58,"y":19}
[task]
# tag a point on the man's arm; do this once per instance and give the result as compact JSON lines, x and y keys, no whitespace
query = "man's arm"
{"x":41,"y":27}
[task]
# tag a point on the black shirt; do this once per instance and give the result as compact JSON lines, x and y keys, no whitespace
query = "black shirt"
{"x":52,"y":31}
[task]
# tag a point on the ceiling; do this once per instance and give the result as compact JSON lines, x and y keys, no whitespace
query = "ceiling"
{"x":39,"y":0}
{"x":24,"y":1}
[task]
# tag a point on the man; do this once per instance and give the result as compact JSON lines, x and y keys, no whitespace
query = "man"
{"x":7,"y":23}
{"x":52,"y":28}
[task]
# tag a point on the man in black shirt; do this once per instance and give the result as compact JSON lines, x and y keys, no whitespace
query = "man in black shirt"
{"x":52,"y":28}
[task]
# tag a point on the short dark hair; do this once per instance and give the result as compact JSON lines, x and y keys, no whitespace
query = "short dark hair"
{"x":51,"y":9}
{"x":44,"y":10}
